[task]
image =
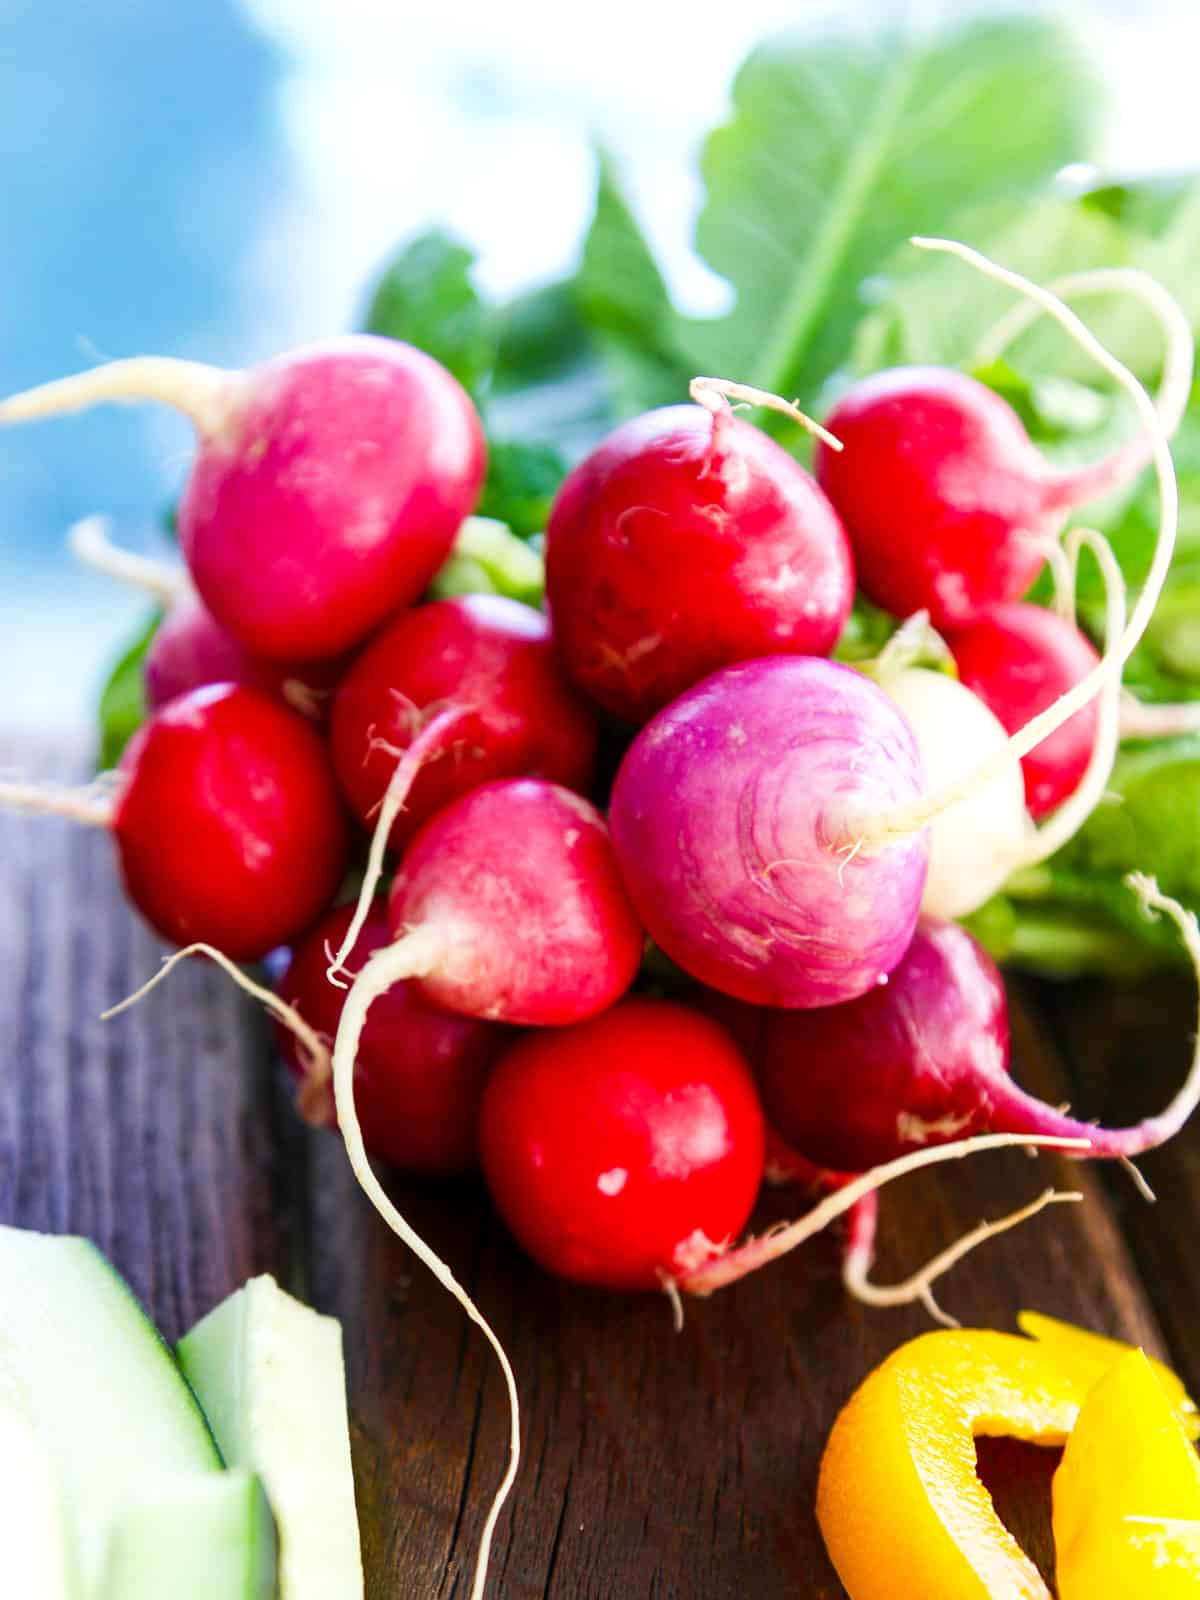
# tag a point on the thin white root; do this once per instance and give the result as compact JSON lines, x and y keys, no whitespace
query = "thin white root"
{"x":1142,"y":721}
{"x":1062,"y":574}
{"x":1138,"y":1179}
{"x":712,"y":392}
{"x":381,"y":971}
{"x":915,"y":641}
{"x":1176,"y":382}
{"x":857,"y":1266}
{"x":877,"y":831}
{"x":1078,"y":806}
{"x":755,"y":1253}
{"x":410,"y":763}
{"x":315,"y":1098}
{"x":92,"y":805}
{"x":203,"y":393}
{"x":1157,"y":1130}
{"x":89,"y":542}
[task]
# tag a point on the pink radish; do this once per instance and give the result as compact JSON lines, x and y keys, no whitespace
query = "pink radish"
{"x":686,"y":541}
{"x":1019,"y":659}
{"x":618,"y":1148}
{"x":948,"y":505}
{"x":327,"y":488}
{"x":420,"y":1071}
{"x":494,"y":658}
{"x":925,"y":1059}
{"x":226,"y":819}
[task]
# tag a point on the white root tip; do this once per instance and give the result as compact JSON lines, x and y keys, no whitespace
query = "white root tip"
{"x":713,"y":393}
{"x":377,"y":976}
{"x":919,"y":1287}
{"x":92,"y":805}
{"x":90,"y":542}
{"x":204,"y":394}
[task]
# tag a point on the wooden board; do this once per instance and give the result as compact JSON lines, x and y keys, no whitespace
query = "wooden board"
{"x":656,"y":1464}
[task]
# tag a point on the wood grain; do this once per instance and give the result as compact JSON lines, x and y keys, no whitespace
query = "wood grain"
{"x":656,"y":1464}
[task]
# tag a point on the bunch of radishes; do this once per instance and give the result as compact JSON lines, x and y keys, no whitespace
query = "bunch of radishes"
{"x":790,"y":831}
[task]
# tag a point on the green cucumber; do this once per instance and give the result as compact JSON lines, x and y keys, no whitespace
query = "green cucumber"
{"x":268,"y":1371}
{"x":38,"y":1560}
{"x":207,"y":1536}
{"x":97,"y":1385}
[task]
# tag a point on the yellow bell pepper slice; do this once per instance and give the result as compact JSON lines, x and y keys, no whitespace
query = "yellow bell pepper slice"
{"x":899,"y":1501}
{"x":1091,"y":1355}
{"x":1127,"y":1494}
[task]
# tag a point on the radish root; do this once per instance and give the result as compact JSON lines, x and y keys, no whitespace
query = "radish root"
{"x":1140,"y":720}
{"x":92,"y":805}
{"x":715,"y":393}
{"x":754,"y":1253}
{"x":414,"y":954}
{"x":860,"y":1252}
{"x":315,"y":1097}
{"x":90,"y":543}
{"x":202,"y":393}
{"x":882,"y":829}
{"x":399,"y":787}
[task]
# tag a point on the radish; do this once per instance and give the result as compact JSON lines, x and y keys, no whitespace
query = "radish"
{"x":619,"y":1147}
{"x":686,"y":541}
{"x":419,"y":1072}
{"x":1019,"y":659}
{"x":948,"y":505}
{"x":925,"y":1059}
{"x":226,"y":818}
{"x":491,"y":656}
{"x":769,"y":823}
{"x":327,"y":488}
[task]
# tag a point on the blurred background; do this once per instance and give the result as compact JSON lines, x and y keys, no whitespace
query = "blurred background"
{"x":223,"y":178}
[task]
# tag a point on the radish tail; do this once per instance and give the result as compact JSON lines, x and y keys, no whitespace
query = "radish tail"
{"x":201,"y":392}
{"x":92,"y":805}
{"x":411,"y":956}
{"x":1140,"y":720}
{"x":881,"y":829}
{"x":746,"y":1258}
{"x":715,"y":395}
{"x":426,"y":746}
{"x":89,"y":542}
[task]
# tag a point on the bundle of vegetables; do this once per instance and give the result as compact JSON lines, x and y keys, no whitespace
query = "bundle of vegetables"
{"x":353,"y":672}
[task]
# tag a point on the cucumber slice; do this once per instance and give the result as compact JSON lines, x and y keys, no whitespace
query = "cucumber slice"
{"x":269,"y":1373}
{"x":37,"y":1559}
{"x":209,"y":1536}
{"x":97,"y":1383}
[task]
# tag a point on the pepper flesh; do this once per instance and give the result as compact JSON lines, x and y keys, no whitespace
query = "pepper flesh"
{"x":1091,"y":1355}
{"x":1127,"y":1494}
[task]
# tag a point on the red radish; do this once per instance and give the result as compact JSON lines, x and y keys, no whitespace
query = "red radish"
{"x":226,"y":818}
{"x":924,"y":1060}
{"x":686,"y":541}
{"x":492,"y":656}
{"x":948,"y":505}
{"x":619,"y":1151}
{"x":734,"y":815}
{"x":191,"y":649}
{"x":1019,"y":659}
{"x":419,"y":1072}
{"x":327,"y":487}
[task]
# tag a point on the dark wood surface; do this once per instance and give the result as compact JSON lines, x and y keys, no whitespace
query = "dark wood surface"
{"x":656,"y":1464}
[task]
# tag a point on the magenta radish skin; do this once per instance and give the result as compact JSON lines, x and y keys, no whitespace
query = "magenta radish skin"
{"x":191,"y":649}
{"x":517,"y":887}
{"x":733,"y":819}
{"x":686,"y":541}
{"x":330,"y":494}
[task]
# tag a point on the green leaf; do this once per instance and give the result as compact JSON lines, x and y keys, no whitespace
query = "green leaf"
{"x":625,"y":302}
{"x":522,"y":480}
{"x":426,"y":298}
{"x":839,"y":149}
{"x":122,"y":708}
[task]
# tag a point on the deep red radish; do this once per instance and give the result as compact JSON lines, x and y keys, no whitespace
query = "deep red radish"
{"x":227,"y":821}
{"x":492,"y":656}
{"x":1019,"y":659}
{"x":420,"y":1071}
{"x":624,"y":1150}
{"x":924,"y":1060}
{"x":686,"y":541}
{"x":734,"y":817}
{"x":191,"y":649}
{"x":327,"y":488}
